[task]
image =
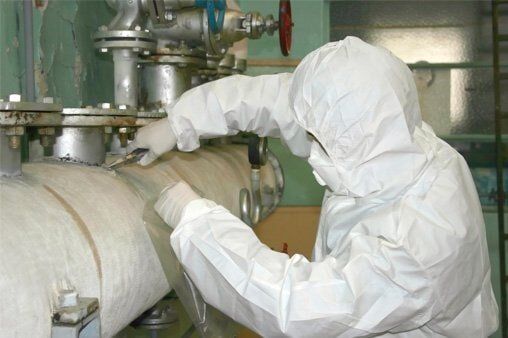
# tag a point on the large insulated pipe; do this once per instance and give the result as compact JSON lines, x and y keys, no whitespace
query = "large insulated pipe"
{"x":96,"y":230}
{"x":126,"y":77}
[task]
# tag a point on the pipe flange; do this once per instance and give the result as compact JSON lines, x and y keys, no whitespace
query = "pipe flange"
{"x":182,"y":50}
{"x":96,"y":117}
{"x":14,"y":112}
{"x":147,"y":117}
{"x":152,"y":114}
{"x":93,"y":111}
{"x":139,"y":41}
{"x":180,"y":60}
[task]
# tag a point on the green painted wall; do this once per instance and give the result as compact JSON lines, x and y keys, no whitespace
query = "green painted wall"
{"x":67,"y":65}
{"x":310,"y":32}
{"x":11,"y":52}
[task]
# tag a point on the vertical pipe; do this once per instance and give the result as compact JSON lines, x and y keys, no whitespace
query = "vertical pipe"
{"x":126,"y":77}
{"x":499,"y":164}
{"x":29,"y":50}
{"x":29,"y":66}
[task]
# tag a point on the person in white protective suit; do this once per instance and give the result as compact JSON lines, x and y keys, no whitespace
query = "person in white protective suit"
{"x":401,"y":248}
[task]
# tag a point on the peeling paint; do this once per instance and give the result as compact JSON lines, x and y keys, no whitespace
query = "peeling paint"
{"x":15,"y":42}
{"x":78,"y":71}
{"x":66,"y":61}
{"x":40,"y":82}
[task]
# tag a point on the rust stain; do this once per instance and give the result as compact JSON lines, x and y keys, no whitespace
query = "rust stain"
{"x":82,"y":227}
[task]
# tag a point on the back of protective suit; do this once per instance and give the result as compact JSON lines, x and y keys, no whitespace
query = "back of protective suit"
{"x":399,"y":198}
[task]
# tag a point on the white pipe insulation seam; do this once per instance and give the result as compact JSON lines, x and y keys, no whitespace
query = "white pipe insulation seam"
{"x":96,"y":230}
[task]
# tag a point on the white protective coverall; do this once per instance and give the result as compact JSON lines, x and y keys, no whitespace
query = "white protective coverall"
{"x":401,"y":248}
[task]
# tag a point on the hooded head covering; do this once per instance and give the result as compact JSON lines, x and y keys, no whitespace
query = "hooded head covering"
{"x":361,"y":105}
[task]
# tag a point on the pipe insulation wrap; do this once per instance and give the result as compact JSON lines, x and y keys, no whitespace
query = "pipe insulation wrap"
{"x":97,"y":231}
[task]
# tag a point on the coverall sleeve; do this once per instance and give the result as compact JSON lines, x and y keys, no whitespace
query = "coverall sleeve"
{"x":369,"y":287}
{"x":238,"y":103}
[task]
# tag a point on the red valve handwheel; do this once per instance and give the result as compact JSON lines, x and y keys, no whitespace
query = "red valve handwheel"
{"x":285,"y":26}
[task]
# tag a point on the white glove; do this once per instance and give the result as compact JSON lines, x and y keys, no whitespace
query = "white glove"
{"x":172,"y":200}
{"x":157,"y":137}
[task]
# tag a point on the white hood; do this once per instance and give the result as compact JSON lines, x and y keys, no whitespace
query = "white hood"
{"x":360,"y":102}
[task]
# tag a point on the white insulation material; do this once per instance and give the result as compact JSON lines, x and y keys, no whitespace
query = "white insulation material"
{"x":96,"y":230}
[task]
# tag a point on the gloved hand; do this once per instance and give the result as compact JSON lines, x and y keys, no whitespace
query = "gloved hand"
{"x":172,"y":200}
{"x":158,"y":137}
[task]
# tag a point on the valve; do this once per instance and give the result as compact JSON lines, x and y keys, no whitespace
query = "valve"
{"x":255,"y":25}
{"x":285,"y":26}
{"x":215,"y":22}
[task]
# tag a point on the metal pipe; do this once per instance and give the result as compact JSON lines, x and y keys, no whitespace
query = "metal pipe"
{"x":162,"y":84}
{"x":126,"y":77}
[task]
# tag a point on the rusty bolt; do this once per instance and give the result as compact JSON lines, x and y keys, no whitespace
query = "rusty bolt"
{"x":47,"y":140}
{"x":46,"y":131}
{"x":46,"y":136}
{"x":14,"y":141}
{"x":123,"y":135}
{"x":14,"y":131}
{"x":14,"y":136}
{"x":108,"y":131}
{"x":123,"y":140}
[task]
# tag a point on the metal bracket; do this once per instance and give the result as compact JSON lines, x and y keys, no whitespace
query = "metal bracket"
{"x":251,"y":203}
{"x":76,"y":317}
